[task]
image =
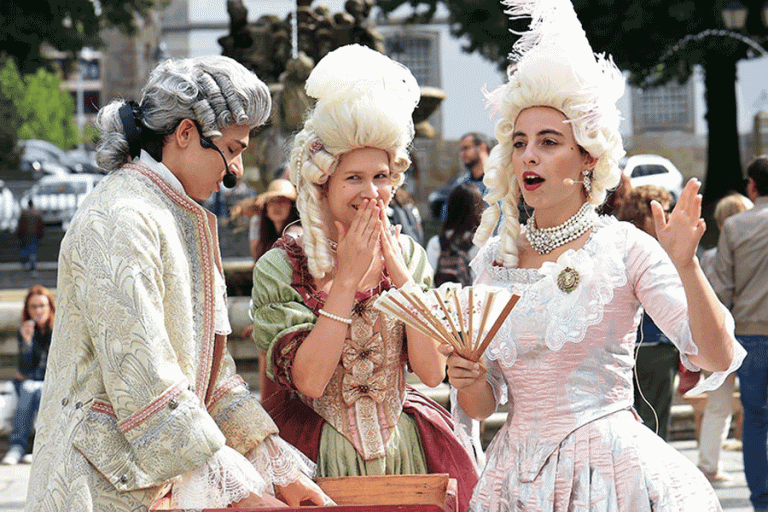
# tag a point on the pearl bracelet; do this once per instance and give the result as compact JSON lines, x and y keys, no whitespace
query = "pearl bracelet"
{"x":338,"y":318}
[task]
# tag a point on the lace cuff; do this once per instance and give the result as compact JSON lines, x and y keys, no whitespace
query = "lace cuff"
{"x":716,"y":379}
{"x":279,"y":462}
{"x":227,"y":477}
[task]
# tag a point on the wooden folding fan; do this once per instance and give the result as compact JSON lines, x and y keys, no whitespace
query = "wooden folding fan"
{"x":453,"y":314}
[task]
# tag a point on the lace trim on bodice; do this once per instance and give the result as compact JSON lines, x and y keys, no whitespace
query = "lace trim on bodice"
{"x":547,"y":311}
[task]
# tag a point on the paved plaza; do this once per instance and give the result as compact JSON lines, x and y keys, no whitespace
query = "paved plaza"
{"x":734,"y":498}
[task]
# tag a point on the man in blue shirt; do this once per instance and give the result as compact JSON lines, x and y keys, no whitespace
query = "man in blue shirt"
{"x":473,"y":149}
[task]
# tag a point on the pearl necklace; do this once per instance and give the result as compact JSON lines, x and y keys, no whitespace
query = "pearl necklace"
{"x":545,"y":240}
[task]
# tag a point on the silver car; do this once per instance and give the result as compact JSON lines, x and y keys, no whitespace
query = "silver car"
{"x":57,"y":197}
{"x":9,"y":209}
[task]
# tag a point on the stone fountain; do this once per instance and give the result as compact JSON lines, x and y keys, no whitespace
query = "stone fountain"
{"x":264,"y":46}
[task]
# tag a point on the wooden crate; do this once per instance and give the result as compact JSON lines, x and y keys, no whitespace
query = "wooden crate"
{"x":434,"y":489}
{"x":391,"y":493}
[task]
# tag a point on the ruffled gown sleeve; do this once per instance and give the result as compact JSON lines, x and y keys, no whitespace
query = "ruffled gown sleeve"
{"x":658,"y":287}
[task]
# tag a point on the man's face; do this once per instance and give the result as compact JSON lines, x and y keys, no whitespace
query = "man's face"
{"x":470,"y":153}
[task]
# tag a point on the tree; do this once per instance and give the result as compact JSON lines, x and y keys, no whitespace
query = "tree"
{"x":43,"y":109}
{"x":638,"y":33}
{"x":10,"y":121}
{"x":66,"y":25}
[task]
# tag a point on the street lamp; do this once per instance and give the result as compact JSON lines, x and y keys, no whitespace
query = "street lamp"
{"x":735,"y":15}
{"x":84,"y":58}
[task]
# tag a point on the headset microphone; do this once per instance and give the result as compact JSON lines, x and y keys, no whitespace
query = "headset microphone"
{"x":569,"y":181}
{"x":230,"y":180}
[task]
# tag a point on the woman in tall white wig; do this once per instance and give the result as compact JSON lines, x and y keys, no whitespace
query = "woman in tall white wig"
{"x":341,"y":362}
{"x":142,"y":407}
{"x":564,"y":357}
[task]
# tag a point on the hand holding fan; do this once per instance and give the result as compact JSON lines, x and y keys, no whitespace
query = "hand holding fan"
{"x":452,"y":314}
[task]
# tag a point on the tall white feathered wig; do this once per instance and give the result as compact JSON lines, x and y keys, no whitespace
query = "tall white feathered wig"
{"x":364,"y":100}
{"x":553,"y":65}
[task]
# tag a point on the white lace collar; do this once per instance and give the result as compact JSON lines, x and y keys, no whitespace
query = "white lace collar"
{"x":546,"y":309}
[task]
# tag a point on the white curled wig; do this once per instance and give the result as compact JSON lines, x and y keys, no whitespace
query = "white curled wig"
{"x":364,"y":100}
{"x":554,"y":66}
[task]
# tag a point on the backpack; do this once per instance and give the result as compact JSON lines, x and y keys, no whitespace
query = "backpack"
{"x":452,"y":265}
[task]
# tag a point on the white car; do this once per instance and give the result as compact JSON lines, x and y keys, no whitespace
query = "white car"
{"x":9,"y":209}
{"x":653,"y":170}
{"x":57,"y":197}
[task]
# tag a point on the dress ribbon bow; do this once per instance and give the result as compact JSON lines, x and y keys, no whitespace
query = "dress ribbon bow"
{"x":354,"y":388}
{"x":372,"y":350}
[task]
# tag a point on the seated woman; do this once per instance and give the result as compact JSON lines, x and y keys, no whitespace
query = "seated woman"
{"x":347,"y":405}
{"x":34,"y":339}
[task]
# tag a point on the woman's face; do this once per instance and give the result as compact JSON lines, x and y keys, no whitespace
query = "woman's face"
{"x":278,"y":210}
{"x":545,"y":153}
{"x":203,"y":169}
{"x":39,"y":309}
{"x":360,"y":174}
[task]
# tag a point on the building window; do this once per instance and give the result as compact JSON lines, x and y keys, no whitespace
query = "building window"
{"x":418,"y":52}
{"x":666,"y":107}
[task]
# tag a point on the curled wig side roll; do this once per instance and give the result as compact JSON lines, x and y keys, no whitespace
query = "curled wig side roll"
{"x":501,"y":187}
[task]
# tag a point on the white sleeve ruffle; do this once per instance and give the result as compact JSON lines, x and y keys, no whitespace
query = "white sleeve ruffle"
{"x":280,"y":463}
{"x":229,"y":477}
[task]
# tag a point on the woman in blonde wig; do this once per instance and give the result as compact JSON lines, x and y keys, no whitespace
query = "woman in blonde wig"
{"x":565,"y":355}
{"x":342,"y":363}
{"x":142,"y":406}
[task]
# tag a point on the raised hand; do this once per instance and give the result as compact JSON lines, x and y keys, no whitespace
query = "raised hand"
{"x":27,"y":330}
{"x":355,"y":253}
{"x":680,"y":234}
{"x":391,"y":250}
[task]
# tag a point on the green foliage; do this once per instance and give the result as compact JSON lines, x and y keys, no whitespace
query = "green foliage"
{"x":66,"y":25}
{"x":10,"y":121}
{"x":43,"y":110}
{"x":47,"y":110}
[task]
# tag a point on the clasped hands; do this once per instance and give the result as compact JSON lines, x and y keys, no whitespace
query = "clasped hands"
{"x":368,"y":240}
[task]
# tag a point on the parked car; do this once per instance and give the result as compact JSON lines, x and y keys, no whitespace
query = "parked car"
{"x":653,"y":170}
{"x":9,"y":209}
{"x":52,"y":151}
{"x":82,"y":162}
{"x":40,"y":158}
{"x":57,"y":197}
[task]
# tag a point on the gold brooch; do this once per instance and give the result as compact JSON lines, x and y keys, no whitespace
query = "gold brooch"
{"x":568,"y":279}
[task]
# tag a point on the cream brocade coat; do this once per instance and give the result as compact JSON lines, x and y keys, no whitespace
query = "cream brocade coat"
{"x":139,"y":388}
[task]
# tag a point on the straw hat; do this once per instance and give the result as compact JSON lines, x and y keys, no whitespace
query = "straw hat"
{"x":277,"y":188}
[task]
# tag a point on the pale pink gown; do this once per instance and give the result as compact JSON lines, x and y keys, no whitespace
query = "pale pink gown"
{"x":571,"y":441}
